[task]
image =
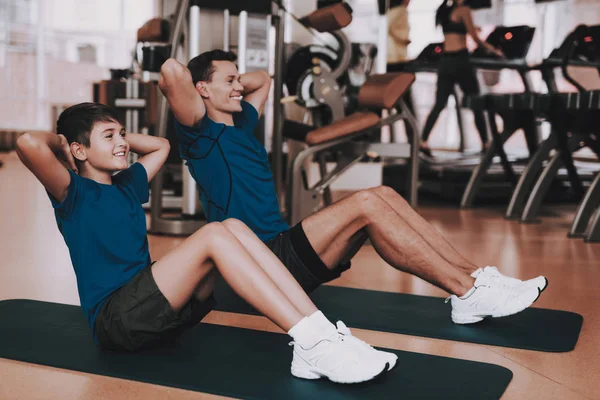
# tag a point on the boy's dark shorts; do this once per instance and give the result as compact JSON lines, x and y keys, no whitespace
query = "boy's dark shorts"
{"x":138,"y":316}
{"x":295,"y":252}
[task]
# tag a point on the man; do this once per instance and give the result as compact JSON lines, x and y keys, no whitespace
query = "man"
{"x":215,"y":128}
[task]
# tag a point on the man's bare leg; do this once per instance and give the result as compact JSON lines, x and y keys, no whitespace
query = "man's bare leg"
{"x":424,"y":229}
{"x":332,"y":230}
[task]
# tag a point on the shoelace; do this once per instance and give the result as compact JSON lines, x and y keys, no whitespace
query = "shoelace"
{"x":334,"y":337}
{"x":344,"y":330}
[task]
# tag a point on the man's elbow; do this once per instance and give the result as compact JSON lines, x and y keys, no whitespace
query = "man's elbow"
{"x":171,"y":71}
{"x":170,"y":67}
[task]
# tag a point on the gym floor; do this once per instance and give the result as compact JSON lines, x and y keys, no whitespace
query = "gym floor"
{"x":36,"y":265}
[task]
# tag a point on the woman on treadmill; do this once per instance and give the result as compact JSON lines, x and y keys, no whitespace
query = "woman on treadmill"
{"x":456,"y":21}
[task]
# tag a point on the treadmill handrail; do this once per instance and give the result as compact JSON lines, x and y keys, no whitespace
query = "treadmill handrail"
{"x":495,"y":63}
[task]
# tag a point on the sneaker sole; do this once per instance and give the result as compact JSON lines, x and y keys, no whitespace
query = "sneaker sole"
{"x":471,"y":319}
{"x":545,"y":285}
{"x":316,"y":373}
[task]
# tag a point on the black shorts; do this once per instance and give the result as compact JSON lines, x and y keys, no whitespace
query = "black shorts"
{"x":295,"y":252}
{"x":138,"y":316}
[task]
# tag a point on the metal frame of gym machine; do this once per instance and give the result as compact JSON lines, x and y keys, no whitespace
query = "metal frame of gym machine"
{"x":303,"y":199}
{"x":182,"y":225}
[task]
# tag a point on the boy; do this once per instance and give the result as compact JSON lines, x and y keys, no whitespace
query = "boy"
{"x":215,"y":128}
{"x":131,"y":303}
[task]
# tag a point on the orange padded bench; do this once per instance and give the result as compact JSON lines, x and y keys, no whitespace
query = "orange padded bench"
{"x":155,"y":30}
{"x":330,"y":18}
{"x":379,"y":92}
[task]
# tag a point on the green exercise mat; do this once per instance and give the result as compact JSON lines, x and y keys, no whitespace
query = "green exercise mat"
{"x":229,"y":361}
{"x":532,"y":329}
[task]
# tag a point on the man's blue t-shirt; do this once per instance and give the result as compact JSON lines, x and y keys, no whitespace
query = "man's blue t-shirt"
{"x":104,"y":227}
{"x":233,"y":173}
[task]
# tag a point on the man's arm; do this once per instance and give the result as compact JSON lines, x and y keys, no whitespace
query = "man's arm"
{"x":153,"y":151}
{"x":398,"y":26}
{"x":256,"y":88}
{"x":176,"y":84}
{"x":39,"y":151}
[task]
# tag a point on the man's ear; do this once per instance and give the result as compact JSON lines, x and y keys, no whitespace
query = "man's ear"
{"x":78,"y":151}
{"x":202,"y":88}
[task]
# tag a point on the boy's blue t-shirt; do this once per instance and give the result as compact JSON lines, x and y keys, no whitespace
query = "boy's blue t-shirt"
{"x":232,"y":171}
{"x":104,"y":227}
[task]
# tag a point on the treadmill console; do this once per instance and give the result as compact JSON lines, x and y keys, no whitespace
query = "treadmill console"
{"x":514,"y":41}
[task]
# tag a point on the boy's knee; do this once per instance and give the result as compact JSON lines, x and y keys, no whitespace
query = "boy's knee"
{"x":234,"y":224}
{"x":213,"y":232}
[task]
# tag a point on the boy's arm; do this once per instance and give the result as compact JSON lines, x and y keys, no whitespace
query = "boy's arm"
{"x":256,"y":88}
{"x":176,"y":84}
{"x":40,"y":152}
{"x":153,"y":151}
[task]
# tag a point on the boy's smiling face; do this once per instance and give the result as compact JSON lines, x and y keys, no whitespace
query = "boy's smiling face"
{"x":109,"y":148}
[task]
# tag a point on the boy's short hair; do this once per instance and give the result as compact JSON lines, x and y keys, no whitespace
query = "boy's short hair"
{"x":202,"y":66}
{"x":76,"y":122}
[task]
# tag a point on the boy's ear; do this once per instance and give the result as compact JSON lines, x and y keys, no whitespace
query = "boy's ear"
{"x":202,"y":88}
{"x":78,"y":151}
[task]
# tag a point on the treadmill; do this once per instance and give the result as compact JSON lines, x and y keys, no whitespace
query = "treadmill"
{"x":574,"y":119}
{"x":428,"y":61}
{"x":492,"y":175}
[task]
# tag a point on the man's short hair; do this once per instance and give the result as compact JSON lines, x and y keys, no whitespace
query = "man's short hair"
{"x":202,"y":66}
{"x":77,"y":122}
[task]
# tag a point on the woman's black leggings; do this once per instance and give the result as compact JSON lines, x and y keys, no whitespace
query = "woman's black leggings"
{"x":455,"y":68}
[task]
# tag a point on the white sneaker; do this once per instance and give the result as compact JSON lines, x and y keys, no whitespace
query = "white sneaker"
{"x":540,"y":282}
{"x":490,"y":298}
{"x":337,"y":359}
{"x":390,"y":358}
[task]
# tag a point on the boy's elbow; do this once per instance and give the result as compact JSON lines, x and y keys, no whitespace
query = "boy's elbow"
{"x":266,"y":77}
{"x":26,"y":141}
{"x":165,"y":144}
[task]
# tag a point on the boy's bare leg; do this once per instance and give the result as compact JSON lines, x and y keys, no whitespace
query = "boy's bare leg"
{"x":272,"y":266}
{"x":179,"y":274}
{"x":333,"y":230}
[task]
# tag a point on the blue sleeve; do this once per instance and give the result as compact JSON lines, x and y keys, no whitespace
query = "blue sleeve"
{"x":189,"y":136}
{"x":247,"y":119}
{"x":135,"y":177}
{"x":75,"y":192}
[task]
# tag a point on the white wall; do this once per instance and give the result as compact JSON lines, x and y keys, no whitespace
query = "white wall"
{"x":41,"y":66}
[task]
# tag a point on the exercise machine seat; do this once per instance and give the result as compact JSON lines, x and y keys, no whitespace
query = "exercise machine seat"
{"x":384,"y":90}
{"x":330,"y":18}
{"x":346,"y":126}
{"x":155,"y":30}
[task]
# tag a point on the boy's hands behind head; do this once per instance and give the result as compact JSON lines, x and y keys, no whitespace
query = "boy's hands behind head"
{"x":65,"y":155}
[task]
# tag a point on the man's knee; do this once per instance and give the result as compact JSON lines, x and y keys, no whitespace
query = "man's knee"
{"x":368,"y":202}
{"x":388,"y":192}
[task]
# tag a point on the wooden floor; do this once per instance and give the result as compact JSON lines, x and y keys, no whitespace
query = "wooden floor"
{"x":35,"y":265}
